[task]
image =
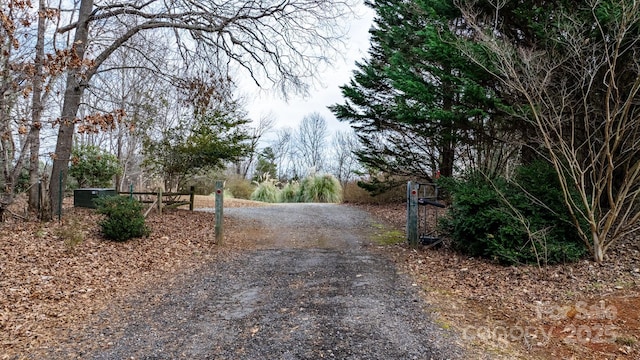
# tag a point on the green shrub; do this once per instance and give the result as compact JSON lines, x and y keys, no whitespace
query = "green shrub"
{"x":124,"y":219}
{"x":522,"y":221}
{"x":320,"y":188}
{"x":290,"y":192}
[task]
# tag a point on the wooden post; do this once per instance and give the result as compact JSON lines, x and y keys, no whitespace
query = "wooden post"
{"x":160,"y":201}
{"x":192,"y":195}
{"x":219,"y":210}
{"x":412,"y":214}
{"x":408,"y":208}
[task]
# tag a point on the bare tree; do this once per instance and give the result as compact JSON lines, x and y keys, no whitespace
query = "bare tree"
{"x":282,"y":147}
{"x":257,"y":132}
{"x":129,"y":80}
{"x":583,"y":97}
{"x":345,"y":162}
{"x":21,"y":76}
{"x":281,"y":43}
{"x":36,"y":111}
{"x":9,"y":89}
{"x":310,"y":142}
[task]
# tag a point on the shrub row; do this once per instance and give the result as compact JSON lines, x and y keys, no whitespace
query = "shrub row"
{"x":318,"y":188}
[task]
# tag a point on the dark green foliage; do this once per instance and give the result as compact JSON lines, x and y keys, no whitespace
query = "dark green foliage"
{"x":190,"y":149}
{"x":535,"y":228}
{"x":417,"y":98}
{"x":266,"y":164}
{"x":124,"y":219}
{"x":93,"y":167}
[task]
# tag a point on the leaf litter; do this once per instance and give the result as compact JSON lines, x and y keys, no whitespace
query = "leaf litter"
{"x":581,"y":311}
{"x":51,"y":282}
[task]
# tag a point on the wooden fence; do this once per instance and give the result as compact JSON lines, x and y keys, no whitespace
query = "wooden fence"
{"x":162,"y":199}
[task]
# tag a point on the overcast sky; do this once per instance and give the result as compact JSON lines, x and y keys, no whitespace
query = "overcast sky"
{"x":290,"y":114}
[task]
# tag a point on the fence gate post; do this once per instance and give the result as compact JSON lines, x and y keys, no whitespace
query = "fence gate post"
{"x":412,"y":213}
{"x":219,"y":209}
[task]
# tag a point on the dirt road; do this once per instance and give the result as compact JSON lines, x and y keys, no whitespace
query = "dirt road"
{"x":310,"y":290}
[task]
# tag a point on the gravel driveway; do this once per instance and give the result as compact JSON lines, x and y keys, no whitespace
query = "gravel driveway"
{"x":311,"y":290}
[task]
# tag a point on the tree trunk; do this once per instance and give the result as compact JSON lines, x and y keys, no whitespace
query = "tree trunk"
{"x":447,"y":160}
{"x":448,"y":142}
{"x":6,"y":138}
{"x":72,"y":95}
{"x":598,"y":250}
{"x":36,"y":113}
{"x":119,"y":156}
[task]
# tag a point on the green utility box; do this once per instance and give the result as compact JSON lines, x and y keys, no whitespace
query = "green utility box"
{"x":85,"y":197}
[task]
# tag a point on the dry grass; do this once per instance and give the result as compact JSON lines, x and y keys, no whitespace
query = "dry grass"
{"x":209,"y":202}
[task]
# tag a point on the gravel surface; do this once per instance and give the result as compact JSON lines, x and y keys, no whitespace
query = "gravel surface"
{"x":310,"y":289}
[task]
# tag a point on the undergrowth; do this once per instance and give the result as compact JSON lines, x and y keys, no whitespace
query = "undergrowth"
{"x":71,"y":232}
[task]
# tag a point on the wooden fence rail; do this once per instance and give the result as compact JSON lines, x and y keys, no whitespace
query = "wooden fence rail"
{"x":158,"y":198}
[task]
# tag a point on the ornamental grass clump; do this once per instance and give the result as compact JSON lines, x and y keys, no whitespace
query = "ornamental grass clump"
{"x":289,"y":193}
{"x":266,"y":190}
{"x":124,"y":219}
{"x":320,"y":188}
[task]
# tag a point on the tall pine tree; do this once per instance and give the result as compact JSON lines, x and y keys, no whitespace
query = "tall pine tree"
{"x":417,"y":102}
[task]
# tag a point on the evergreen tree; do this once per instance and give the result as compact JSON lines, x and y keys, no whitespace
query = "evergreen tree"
{"x":266,"y":164}
{"x":418,"y":100}
{"x":216,"y":137}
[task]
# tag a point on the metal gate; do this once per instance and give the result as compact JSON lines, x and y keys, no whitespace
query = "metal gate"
{"x":422,"y":213}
